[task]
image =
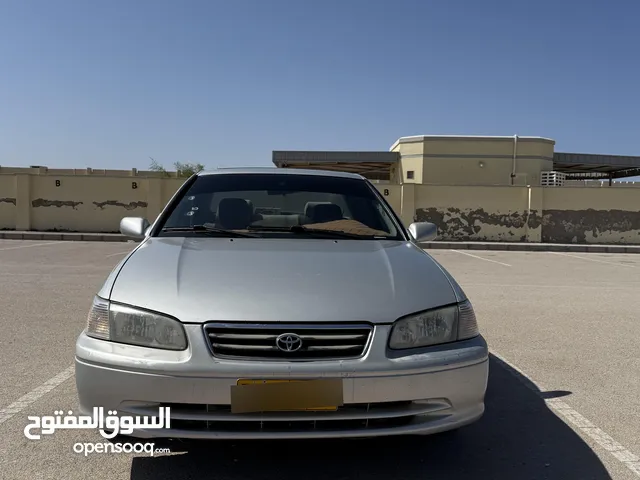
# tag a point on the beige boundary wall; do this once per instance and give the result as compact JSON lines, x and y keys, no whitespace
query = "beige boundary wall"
{"x":531,"y":214}
{"x":80,"y":203}
{"x":96,"y":201}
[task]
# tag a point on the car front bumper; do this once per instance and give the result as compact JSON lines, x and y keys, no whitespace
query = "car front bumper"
{"x":437,"y":389}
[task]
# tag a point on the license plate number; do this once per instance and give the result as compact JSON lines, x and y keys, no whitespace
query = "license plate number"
{"x":282,"y":395}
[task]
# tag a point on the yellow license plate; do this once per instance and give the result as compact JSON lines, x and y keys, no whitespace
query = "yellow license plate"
{"x":278,"y":395}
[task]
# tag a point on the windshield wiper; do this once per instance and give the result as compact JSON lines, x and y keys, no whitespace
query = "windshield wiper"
{"x":207,"y":229}
{"x":312,"y":231}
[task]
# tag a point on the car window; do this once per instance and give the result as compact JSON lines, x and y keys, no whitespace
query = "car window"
{"x":270,"y":204}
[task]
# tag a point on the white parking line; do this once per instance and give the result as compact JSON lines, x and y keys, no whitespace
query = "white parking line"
{"x":481,"y":258}
{"x":32,"y":245}
{"x":593,"y":260}
{"x":41,"y":275}
{"x":35,"y":394}
{"x":119,"y":253}
{"x":631,"y":286}
{"x":580,"y":423}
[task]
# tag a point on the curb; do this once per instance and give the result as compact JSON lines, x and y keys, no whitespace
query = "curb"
{"x":531,"y":247}
{"x":501,"y":246}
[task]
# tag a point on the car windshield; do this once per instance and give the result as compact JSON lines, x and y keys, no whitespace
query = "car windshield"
{"x":279,"y":205}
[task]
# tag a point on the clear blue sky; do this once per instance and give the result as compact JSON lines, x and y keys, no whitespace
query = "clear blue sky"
{"x":109,"y":83}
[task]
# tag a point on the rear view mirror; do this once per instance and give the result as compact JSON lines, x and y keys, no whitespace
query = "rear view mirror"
{"x":279,"y":192}
{"x":423,"y":231}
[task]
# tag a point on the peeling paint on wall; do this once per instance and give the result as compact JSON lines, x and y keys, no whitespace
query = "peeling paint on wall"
{"x":41,"y":202}
{"x":12,"y":201}
{"x":477,"y":224}
{"x":115,"y":203}
{"x":557,"y":226}
{"x":587,"y":226}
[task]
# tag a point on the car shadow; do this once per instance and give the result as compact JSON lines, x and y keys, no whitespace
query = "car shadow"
{"x":518,"y":437}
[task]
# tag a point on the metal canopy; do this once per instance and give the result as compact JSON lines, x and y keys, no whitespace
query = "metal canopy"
{"x":583,"y":166}
{"x":372,"y":165}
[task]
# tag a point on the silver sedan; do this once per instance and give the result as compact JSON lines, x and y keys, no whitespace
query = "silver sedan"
{"x":282,"y":303}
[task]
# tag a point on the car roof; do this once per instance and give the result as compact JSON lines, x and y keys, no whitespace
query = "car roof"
{"x":281,"y":171}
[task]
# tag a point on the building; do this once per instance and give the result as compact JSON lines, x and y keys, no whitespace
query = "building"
{"x":469,"y":160}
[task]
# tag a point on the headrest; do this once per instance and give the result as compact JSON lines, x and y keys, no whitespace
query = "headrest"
{"x":308,"y":208}
{"x":234,"y":213}
{"x":324,"y":212}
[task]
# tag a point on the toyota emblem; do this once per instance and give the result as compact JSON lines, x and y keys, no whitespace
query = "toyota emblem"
{"x":289,"y":342}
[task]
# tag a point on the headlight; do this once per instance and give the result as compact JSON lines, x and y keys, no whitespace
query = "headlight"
{"x":442,"y":325}
{"x":118,"y":323}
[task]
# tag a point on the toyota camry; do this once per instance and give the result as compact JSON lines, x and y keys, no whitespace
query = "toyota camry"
{"x":282,"y":303}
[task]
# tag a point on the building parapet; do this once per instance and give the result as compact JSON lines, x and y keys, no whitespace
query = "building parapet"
{"x":42,"y":170}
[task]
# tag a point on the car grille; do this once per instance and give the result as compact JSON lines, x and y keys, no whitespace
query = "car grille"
{"x":358,"y":416}
{"x":260,"y":341}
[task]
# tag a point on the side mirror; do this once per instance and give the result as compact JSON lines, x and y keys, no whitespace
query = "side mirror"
{"x":423,"y":231}
{"x":135,"y":227}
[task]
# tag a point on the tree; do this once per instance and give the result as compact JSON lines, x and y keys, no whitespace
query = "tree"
{"x":156,"y":167}
{"x":182,"y":169}
{"x":188,"y":169}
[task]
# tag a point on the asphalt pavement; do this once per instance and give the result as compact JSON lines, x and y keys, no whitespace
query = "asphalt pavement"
{"x":563,"y":399}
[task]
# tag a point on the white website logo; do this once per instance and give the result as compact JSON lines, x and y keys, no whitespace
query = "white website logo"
{"x":109,"y":426}
{"x":108,"y":447}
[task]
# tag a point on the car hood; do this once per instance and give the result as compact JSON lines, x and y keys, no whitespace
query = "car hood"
{"x":281,"y":280}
